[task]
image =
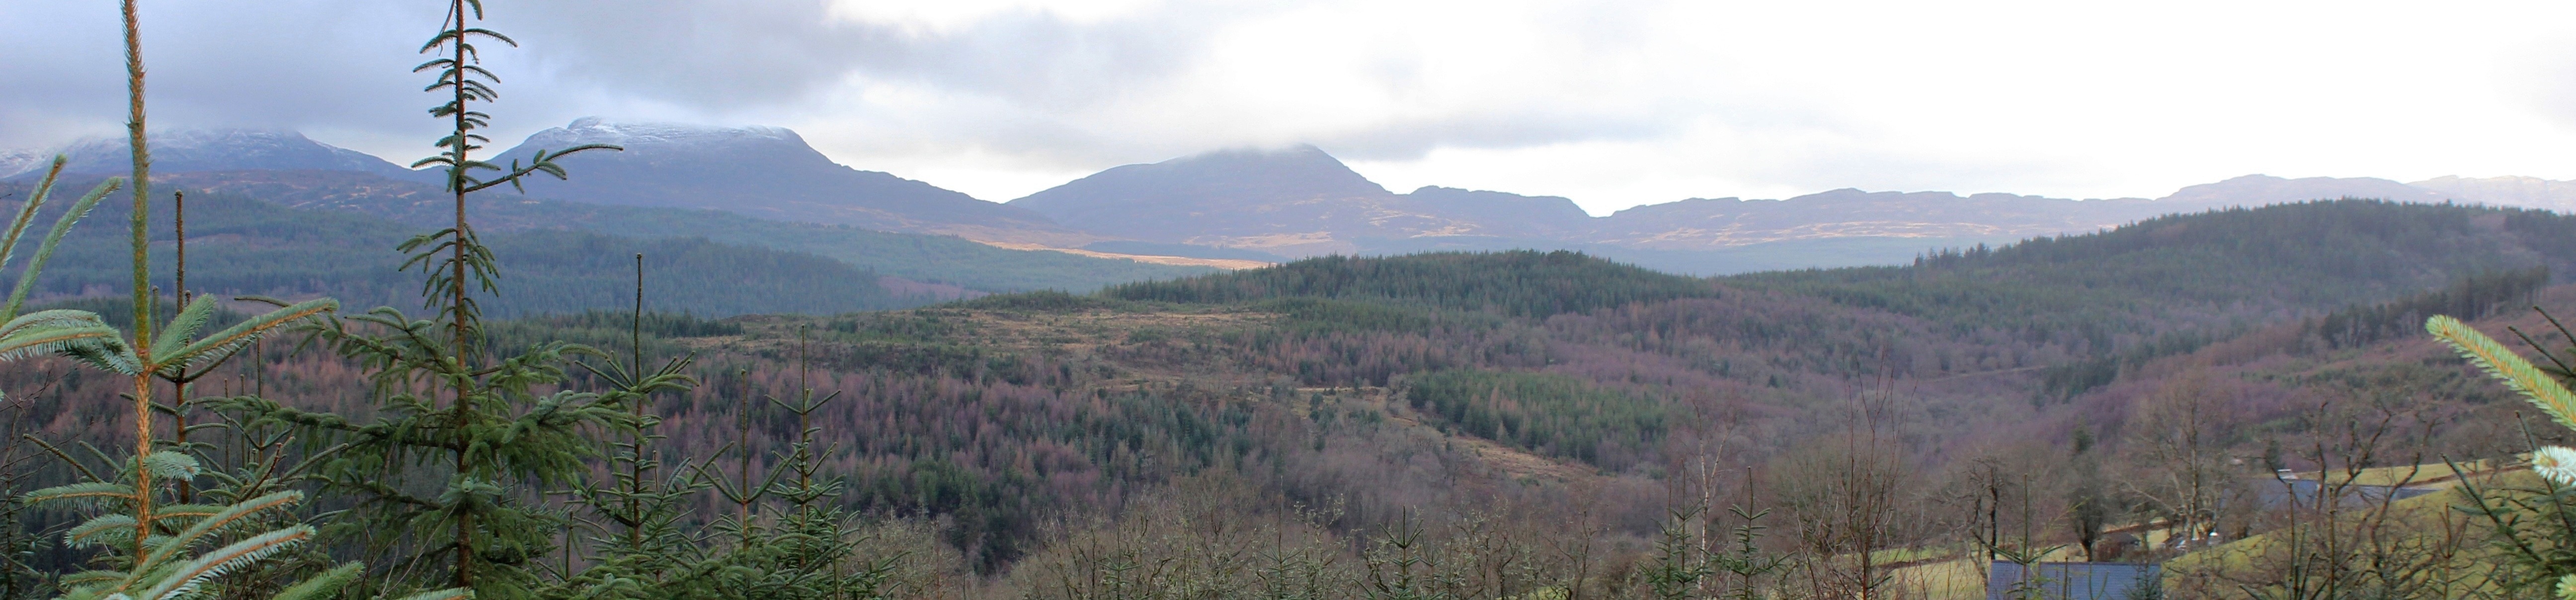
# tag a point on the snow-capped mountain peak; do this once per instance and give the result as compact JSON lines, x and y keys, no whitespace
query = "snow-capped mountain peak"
{"x":596,"y":130}
{"x":185,"y":150}
{"x":14,"y":162}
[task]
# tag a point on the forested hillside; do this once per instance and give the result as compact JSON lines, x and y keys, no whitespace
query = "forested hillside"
{"x":2375,"y":357}
{"x":239,"y":245}
{"x":1517,"y":283}
{"x":1548,"y":402}
{"x":2207,"y":272}
{"x":928,"y":258}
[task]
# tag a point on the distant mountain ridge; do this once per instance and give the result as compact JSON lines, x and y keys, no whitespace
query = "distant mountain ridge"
{"x":1702,"y":224}
{"x":240,"y":245}
{"x":2528,"y":192}
{"x":190,"y":150}
{"x":1503,"y":213}
{"x":13,"y":162}
{"x":938,"y":260}
{"x":768,"y":172}
{"x":1242,"y":204}
{"x":2257,"y":190}
{"x":1300,"y":201}
{"x":1296,"y":201}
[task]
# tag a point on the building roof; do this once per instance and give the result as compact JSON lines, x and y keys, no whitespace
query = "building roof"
{"x":2069,"y":581}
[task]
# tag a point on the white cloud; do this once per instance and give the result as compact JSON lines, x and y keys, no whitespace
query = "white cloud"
{"x":1610,"y":103}
{"x":950,"y":15}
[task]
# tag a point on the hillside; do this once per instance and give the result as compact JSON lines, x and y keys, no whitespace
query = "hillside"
{"x":1706,"y":224}
{"x":1517,"y":283}
{"x":925,"y":258}
{"x":1300,"y":201}
{"x":1521,"y":388}
{"x":1502,"y":214}
{"x":2374,"y":356}
{"x":1211,"y":209}
{"x":238,"y":245}
{"x":2258,"y":190}
{"x":765,"y":172}
{"x":1348,"y":377}
{"x":188,"y":150}
{"x":287,"y":168}
{"x":2529,"y":192}
{"x":2207,"y":271}
{"x":1295,"y":201}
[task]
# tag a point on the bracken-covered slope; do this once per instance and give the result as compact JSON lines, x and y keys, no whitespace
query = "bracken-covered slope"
{"x":1394,"y":383}
{"x":2286,"y":390}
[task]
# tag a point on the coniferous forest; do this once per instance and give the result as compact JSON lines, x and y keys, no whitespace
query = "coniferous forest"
{"x":2296,"y":401}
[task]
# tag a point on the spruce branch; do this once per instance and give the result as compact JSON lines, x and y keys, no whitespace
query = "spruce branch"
{"x":2506,"y":367}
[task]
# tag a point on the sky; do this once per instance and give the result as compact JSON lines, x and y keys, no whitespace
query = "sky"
{"x":1611,"y":103}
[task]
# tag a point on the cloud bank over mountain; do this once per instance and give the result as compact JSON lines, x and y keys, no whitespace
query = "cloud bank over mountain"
{"x":1610,"y":104}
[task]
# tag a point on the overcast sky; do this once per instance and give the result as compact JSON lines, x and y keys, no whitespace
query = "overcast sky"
{"x":1613,"y":104}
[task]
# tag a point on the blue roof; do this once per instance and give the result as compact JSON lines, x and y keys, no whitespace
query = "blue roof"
{"x":2305,"y":493}
{"x":2070,"y":580}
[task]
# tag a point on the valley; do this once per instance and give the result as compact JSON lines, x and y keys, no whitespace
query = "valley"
{"x":1191,"y":338}
{"x":1010,"y":399}
{"x":1503,"y":388}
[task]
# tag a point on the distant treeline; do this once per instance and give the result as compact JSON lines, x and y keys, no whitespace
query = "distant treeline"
{"x":1555,"y":415}
{"x":2065,"y":381}
{"x":2470,"y":298}
{"x":2211,"y":271}
{"x":1522,"y":283}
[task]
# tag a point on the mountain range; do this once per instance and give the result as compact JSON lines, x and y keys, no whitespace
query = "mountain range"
{"x":766,"y":172}
{"x":1228,"y":208}
{"x":1300,"y":201}
{"x":187,"y":150}
{"x":1388,"y":387}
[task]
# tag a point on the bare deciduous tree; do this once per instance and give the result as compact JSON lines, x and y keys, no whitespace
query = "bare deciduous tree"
{"x":2180,"y":440}
{"x":1848,"y":497}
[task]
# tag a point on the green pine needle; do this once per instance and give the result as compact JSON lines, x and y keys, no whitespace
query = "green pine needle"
{"x":53,"y":239}
{"x":111,"y":530}
{"x":223,"y":343}
{"x":190,"y":322}
{"x":324,"y":586}
{"x":223,"y":560}
{"x":2507,"y":367}
{"x":445,"y":594}
{"x":172,"y":465}
{"x":91,"y":491}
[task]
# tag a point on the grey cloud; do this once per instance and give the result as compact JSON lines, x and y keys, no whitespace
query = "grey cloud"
{"x":345,"y":65}
{"x":1415,"y":139}
{"x":288,"y":63}
{"x":1030,"y":83}
{"x":725,"y":56}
